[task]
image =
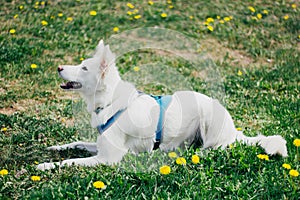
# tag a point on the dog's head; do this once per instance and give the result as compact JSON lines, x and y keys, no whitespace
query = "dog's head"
{"x":88,"y":77}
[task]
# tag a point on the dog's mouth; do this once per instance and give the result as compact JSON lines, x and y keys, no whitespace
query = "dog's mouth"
{"x":71,"y":85}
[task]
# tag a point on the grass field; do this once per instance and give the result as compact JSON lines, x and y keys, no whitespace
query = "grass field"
{"x":254,"y":45}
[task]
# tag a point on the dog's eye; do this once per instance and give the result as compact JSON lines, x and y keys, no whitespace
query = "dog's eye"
{"x":84,"y":68}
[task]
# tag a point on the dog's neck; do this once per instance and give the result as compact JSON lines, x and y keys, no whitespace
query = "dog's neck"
{"x":113,"y":91}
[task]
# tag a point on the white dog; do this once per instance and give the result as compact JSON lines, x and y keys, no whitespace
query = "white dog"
{"x":131,"y":121}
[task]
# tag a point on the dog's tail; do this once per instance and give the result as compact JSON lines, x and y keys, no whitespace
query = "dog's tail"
{"x":271,"y":144}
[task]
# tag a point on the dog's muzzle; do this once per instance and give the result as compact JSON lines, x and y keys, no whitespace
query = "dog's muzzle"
{"x":71,"y":85}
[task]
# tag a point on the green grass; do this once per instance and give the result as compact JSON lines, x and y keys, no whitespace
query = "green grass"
{"x":35,"y":113}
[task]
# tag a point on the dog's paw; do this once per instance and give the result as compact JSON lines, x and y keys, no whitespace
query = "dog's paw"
{"x":47,"y":166}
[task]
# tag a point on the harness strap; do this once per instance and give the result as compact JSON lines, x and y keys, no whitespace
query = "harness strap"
{"x":102,"y":127}
{"x":162,"y":101}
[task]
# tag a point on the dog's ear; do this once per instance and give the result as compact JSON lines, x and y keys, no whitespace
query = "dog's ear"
{"x":107,"y":59}
{"x":99,"y":49}
{"x":108,"y":55}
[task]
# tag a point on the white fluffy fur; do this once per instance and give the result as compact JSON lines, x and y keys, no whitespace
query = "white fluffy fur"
{"x":188,"y":115}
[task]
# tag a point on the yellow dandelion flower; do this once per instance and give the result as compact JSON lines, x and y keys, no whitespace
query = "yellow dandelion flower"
{"x":171,"y":6}
{"x":231,"y":17}
{"x":218,"y":17}
{"x":286,"y":17}
{"x":165,"y":170}
{"x":116,"y":29}
{"x":63,"y":120}
{"x":294,"y":173}
{"x":222,"y":21}
{"x":210,"y":28}
{"x":99,"y":185}
{"x":35,"y":178}
{"x":227,"y":19}
{"x":135,"y":11}
{"x":195,"y":159}
{"x":136,"y":69}
{"x":240,"y":73}
{"x":263,"y":156}
{"x":169,"y":2}
{"x":239,"y":129}
{"x":163,"y":15}
{"x":12,"y":31}
{"x":43,"y":3}
{"x":191,"y":17}
{"x":60,"y":14}
{"x":33,"y":66}
{"x":129,"y":13}
{"x":137,"y":16}
{"x":259,"y":16}
{"x":81,"y":59}
{"x":172,"y":154}
{"x":37,"y":3}
{"x":266,"y":157}
{"x":254,"y":18}
{"x":180,"y":161}
{"x":44,"y":22}
{"x":93,"y":13}
{"x":294,"y":6}
{"x":252,"y":9}
{"x":231,"y":146}
{"x":299,"y":36}
{"x":150,"y":3}
{"x":69,"y":19}
{"x":210,"y":20}
{"x":36,"y":162}
{"x":265,"y":12}
{"x":129,"y":5}
{"x":21,"y":7}
{"x":286,"y":166}
{"x":4,"y":129}
{"x":260,"y":156}
{"x":296,"y":142}
{"x":16,"y":16}
{"x":3,"y":172}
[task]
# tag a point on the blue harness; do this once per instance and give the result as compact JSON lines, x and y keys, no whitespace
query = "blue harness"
{"x":163,"y":102}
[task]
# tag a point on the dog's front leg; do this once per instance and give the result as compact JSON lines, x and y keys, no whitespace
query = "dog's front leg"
{"x":88,"y":162}
{"x":46,"y":166}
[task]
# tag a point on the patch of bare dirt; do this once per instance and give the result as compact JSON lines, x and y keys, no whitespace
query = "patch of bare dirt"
{"x":218,"y":52}
{"x":21,"y":106}
{"x":207,"y":48}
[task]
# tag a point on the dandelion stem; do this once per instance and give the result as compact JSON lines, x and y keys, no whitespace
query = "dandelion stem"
{"x":298,"y":154}
{"x":293,"y":185}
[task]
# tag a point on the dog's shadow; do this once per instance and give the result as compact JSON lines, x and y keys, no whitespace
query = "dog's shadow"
{"x":61,"y":155}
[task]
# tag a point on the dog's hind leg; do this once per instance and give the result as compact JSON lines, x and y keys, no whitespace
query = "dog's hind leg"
{"x":89,"y":146}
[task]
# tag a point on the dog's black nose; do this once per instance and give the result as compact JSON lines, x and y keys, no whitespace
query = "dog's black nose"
{"x":60,"y":68}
